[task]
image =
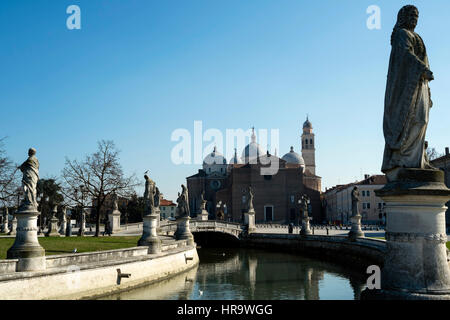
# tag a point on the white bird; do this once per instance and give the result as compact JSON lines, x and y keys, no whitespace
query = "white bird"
{"x":74,"y":250}
{"x":200,"y":292}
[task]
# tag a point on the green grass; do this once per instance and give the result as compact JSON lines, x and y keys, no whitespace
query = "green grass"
{"x":55,"y":245}
{"x":448,"y":245}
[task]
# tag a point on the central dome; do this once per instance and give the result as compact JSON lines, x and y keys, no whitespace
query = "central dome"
{"x":253,"y":150}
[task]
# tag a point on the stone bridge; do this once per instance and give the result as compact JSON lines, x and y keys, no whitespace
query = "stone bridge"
{"x":231,"y":228}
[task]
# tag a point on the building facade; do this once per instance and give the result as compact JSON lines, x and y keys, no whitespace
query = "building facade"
{"x":168,"y":209}
{"x":226,"y":184}
{"x":337,"y":201}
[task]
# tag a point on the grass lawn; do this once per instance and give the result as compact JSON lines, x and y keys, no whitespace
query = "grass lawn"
{"x":55,"y":245}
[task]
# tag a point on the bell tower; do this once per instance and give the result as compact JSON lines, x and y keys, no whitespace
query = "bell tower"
{"x":308,"y":147}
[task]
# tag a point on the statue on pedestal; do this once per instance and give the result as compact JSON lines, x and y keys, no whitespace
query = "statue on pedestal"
{"x":183,"y":203}
{"x":30,"y":170}
{"x":149,"y":195}
{"x":250,"y":199}
{"x":407,"y":100}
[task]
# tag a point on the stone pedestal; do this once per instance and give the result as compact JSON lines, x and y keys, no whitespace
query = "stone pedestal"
{"x":306,"y":230}
{"x":82,"y":229}
{"x":114,"y":221}
{"x":13,"y":230}
{"x":68,"y":228}
{"x":53,"y":228}
{"x":415,"y":265}
{"x":249,"y":221}
{"x":183,"y":232}
{"x":202,"y":215}
{"x":356,"y":231}
{"x":26,"y":247}
{"x":149,"y":235}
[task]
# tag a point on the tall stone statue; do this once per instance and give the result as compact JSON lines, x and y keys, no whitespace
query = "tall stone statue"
{"x":355,"y":200}
{"x":407,"y":99}
{"x":157,"y":197}
{"x":203,"y":201}
{"x":30,"y":170}
{"x":305,"y":203}
{"x":149,"y":194}
{"x":250,"y":199}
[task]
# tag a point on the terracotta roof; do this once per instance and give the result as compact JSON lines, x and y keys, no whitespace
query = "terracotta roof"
{"x":165,"y":202}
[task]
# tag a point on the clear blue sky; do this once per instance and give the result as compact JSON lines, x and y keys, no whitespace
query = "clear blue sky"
{"x":139,"y":69}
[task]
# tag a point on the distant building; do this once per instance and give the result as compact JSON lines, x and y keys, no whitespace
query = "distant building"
{"x":275,"y":196}
{"x":337,"y":201}
{"x":168,"y":209}
{"x":443,"y":163}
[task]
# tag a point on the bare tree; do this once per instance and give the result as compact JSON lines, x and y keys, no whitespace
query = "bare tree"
{"x":99,"y":175}
{"x":9,"y":183}
{"x":433,"y":154}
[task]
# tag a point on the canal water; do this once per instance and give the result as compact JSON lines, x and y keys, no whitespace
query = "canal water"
{"x":247,"y":274}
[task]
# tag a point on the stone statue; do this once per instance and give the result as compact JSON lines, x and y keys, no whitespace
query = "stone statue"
{"x":203,"y":201}
{"x":157,"y":197}
{"x":407,"y":100}
{"x":183,"y":203}
{"x":115,"y":199}
{"x":355,"y":200}
{"x":30,"y":170}
{"x":149,"y":193}
{"x":250,"y":199}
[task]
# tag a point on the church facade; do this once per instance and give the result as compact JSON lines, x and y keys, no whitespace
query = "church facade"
{"x":276,"y":197}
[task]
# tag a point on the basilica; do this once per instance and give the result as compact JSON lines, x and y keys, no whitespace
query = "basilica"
{"x":225,"y":184}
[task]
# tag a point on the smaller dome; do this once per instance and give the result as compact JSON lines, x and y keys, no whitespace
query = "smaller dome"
{"x":307,"y":124}
{"x":294,"y":157}
{"x":214,"y":157}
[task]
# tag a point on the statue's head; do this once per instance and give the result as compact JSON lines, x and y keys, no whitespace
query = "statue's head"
{"x":407,"y":17}
{"x":31,"y":152}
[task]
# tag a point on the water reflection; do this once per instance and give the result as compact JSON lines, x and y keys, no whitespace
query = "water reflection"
{"x":234,"y":274}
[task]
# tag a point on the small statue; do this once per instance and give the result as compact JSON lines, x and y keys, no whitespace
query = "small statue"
{"x":183,"y":203}
{"x":355,"y":200}
{"x":149,"y":193}
{"x":250,"y":199}
{"x":203,"y":201}
{"x":305,"y":203}
{"x":157,"y":197}
{"x":30,"y":170}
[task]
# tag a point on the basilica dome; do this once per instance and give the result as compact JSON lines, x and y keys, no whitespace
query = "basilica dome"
{"x":294,"y":157}
{"x":253,"y":150}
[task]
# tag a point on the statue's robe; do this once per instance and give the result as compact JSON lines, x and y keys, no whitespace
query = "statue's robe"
{"x":30,"y":170}
{"x":407,"y":103}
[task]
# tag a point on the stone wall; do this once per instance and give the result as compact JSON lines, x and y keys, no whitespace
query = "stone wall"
{"x":78,"y":276}
{"x":360,"y":253}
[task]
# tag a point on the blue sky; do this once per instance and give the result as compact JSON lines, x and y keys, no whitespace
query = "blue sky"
{"x":139,"y":69}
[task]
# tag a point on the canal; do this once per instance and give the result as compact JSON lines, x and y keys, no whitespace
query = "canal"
{"x":237,"y":274}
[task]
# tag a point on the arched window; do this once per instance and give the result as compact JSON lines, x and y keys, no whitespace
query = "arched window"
{"x":306,"y":141}
{"x":310,"y":141}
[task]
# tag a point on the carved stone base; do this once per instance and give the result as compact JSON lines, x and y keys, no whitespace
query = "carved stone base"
{"x":183,"y":232}
{"x":53,"y":228}
{"x":149,"y":235}
{"x":356,"y":231}
{"x":203,"y":215}
{"x":26,"y":247}
{"x":249,"y":221}
{"x":306,"y":230}
{"x":114,"y":221}
{"x":416,"y":258}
